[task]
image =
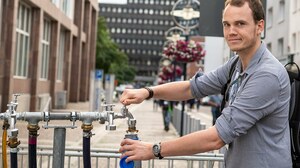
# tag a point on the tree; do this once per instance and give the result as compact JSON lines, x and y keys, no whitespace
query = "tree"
{"x":110,"y":58}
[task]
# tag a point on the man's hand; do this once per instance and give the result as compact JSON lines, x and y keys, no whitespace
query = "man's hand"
{"x":136,"y":150}
{"x":133,"y":96}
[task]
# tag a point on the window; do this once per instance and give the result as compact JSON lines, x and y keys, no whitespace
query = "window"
{"x":280,"y":48}
{"x":295,"y":6}
{"x":61,"y":55}
{"x":45,"y":52}
{"x":269,"y":46}
{"x":281,"y":10}
{"x":294,"y":43}
{"x":67,"y":6}
{"x":22,"y":41}
{"x":270,"y":18}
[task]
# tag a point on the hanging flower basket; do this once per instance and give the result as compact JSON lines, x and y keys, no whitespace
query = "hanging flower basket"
{"x":184,"y":51}
{"x":168,"y":71}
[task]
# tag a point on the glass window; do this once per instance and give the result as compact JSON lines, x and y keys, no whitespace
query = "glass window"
{"x":270,"y":18}
{"x":146,"y":11}
{"x":280,"y":47}
{"x":22,"y":40}
{"x":45,"y":51}
{"x":119,"y":10}
{"x":113,"y":30}
{"x":281,"y":10}
{"x":295,"y":6}
{"x":151,"y":12}
{"x":294,"y":49}
{"x":61,"y":55}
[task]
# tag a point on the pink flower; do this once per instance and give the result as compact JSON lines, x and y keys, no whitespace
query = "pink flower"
{"x":184,"y":51}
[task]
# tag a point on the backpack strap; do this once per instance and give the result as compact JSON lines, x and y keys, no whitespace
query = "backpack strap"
{"x":224,"y":87}
{"x":293,"y":75}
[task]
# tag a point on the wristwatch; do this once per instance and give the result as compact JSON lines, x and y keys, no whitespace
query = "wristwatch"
{"x":156,"y":148}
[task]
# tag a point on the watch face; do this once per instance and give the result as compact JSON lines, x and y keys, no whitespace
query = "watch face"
{"x":156,"y":149}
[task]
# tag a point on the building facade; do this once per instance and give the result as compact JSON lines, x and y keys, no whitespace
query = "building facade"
{"x":47,"y":50}
{"x":280,"y":27}
{"x":139,"y":28}
{"x":294,"y":29}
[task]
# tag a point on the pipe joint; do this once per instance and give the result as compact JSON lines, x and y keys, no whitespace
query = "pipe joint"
{"x":13,"y":142}
{"x":33,"y":129}
{"x":86,"y":127}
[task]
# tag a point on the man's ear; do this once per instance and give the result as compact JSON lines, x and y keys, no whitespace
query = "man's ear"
{"x":260,"y":26}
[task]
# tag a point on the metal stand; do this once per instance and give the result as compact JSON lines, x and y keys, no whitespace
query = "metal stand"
{"x":59,"y":147}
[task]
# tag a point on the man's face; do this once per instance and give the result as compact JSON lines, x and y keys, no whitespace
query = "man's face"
{"x":240,"y":30}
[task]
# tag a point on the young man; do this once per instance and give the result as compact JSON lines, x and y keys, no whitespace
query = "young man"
{"x":254,"y":122}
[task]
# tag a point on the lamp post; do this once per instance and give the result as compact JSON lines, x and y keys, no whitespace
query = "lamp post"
{"x":186,"y":14}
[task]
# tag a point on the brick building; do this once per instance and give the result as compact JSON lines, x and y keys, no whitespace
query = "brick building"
{"x":47,"y":50}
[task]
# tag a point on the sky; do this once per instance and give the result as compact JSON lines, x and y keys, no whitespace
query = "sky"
{"x":113,"y":1}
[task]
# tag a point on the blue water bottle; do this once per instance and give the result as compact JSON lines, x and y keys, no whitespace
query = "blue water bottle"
{"x":131,"y":164}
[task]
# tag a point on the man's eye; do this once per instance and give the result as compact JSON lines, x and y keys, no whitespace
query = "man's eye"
{"x":225,"y":25}
{"x":240,"y":24}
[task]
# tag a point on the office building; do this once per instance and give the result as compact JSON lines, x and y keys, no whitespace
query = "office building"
{"x":47,"y":50}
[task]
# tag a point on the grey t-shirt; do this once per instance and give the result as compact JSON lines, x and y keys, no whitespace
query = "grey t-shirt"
{"x":254,"y":123}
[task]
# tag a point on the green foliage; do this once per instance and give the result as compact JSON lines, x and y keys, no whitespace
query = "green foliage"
{"x":109,"y":57}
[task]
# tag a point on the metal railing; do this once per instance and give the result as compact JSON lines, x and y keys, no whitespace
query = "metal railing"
{"x":109,"y":158}
{"x":190,"y":123}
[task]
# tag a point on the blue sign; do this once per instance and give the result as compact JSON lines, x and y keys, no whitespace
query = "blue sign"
{"x":98,"y":74}
{"x":107,"y":77}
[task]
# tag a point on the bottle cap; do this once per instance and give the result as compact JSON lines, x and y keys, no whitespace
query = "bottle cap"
{"x":123,"y":163}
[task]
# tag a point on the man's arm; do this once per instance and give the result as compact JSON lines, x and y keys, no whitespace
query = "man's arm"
{"x":170,"y":91}
{"x":197,"y":142}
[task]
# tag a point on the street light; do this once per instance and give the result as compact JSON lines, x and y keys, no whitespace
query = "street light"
{"x":186,"y":14}
{"x":174,"y":34}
